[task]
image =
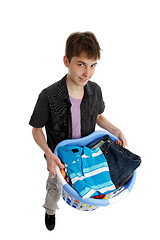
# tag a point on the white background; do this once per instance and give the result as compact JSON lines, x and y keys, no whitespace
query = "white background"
{"x":32,"y":41}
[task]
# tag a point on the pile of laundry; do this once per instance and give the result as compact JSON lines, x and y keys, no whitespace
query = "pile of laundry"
{"x":98,"y":168}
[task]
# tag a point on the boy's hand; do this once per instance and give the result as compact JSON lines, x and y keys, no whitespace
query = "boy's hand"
{"x":122,"y":140}
{"x":52,"y":161}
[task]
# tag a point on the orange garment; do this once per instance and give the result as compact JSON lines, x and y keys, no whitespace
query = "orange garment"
{"x":63,"y":172}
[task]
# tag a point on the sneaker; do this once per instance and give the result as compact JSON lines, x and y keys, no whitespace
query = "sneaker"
{"x":50,"y":221}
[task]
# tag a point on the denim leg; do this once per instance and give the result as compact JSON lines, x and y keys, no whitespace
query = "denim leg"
{"x":121,"y":161}
{"x":52,"y":195}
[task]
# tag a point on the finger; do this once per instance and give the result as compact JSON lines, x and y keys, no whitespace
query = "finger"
{"x":119,"y":142}
{"x":116,"y":141}
{"x":125,"y":143}
{"x":59,"y":163}
{"x":54,"y":172}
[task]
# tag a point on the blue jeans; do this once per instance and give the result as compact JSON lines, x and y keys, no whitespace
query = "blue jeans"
{"x":121,"y":161}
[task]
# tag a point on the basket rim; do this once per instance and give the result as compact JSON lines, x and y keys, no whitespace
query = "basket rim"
{"x":92,"y":201}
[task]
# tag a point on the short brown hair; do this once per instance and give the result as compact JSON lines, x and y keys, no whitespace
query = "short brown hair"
{"x":79,"y":42}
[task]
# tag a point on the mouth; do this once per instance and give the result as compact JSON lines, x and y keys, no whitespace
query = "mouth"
{"x":83,"y":79}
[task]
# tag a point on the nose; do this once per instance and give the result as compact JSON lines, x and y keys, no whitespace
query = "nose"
{"x":86,"y":72}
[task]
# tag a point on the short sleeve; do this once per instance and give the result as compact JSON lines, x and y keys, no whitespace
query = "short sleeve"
{"x":40,"y":114}
{"x":101,"y":102}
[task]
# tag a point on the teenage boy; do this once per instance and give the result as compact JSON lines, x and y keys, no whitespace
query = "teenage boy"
{"x":70,"y":108}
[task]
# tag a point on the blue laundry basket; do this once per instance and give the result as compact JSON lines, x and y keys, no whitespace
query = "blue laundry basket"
{"x":71,"y":197}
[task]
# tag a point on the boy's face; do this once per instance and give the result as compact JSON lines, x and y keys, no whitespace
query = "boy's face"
{"x":80,"y":69}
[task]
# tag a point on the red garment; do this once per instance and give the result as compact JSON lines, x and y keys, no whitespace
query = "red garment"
{"x":99,"y":196}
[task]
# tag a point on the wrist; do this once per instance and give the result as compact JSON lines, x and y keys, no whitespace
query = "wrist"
{"x":117,"y":132}
{"x":48,"y":151}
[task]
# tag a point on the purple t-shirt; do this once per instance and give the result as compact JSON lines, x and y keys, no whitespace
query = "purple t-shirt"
{"x":76,"y":117}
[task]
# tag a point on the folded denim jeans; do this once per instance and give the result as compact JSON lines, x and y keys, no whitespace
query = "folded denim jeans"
{"x":121,"y":161}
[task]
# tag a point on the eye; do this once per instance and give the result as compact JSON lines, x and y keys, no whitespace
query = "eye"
{"x":93,"y":66}
{"x":81,"y":64}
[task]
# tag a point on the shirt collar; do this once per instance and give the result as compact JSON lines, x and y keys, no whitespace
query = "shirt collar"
{"x":64,"y":91}
{"x":88,"y":89}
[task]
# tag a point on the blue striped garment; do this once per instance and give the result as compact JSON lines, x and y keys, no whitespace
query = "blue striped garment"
{"x":88,"y":170}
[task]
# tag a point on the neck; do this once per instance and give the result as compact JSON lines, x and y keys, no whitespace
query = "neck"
{"x":74,"y":90}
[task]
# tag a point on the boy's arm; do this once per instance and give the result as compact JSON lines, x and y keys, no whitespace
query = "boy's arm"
{"x":52,"y":159}
{"x":105,"y":124}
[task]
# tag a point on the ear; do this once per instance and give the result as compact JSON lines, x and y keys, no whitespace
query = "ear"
{"x":65,"y":60}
